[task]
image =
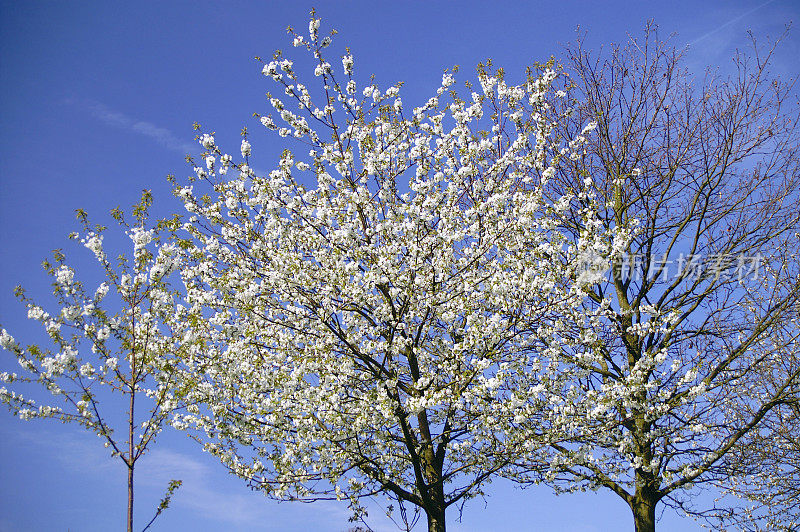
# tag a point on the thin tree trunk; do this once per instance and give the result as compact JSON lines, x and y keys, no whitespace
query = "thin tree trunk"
{"x":130,"y":498}
{"x":131,"y":459}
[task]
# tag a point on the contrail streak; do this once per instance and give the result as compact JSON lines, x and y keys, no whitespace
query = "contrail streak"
{"x":740,"y":17}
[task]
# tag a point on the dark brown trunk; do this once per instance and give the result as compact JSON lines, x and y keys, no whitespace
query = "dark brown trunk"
{"x":435,"y":505}
{"x":644,"y":514}
{"x":436,"y":520}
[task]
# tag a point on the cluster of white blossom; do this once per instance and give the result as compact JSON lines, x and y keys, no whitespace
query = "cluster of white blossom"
{"x":399,"y":288}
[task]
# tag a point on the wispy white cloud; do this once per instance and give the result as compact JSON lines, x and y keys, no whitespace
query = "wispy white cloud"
{"x":161,"y":135}
{"x":201,"y":494}
{"x":79,"y":452}
{"x":197,"y":492}
{"x":246,"y":510}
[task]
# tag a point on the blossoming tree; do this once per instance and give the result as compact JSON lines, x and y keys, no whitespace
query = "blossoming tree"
{"x":383,"y":312}
{"x":693,"y":355}
{"x":117,"y":339}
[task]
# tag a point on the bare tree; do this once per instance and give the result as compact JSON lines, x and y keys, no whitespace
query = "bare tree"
{"x":702,"y":303}
{"x":764,"y":468}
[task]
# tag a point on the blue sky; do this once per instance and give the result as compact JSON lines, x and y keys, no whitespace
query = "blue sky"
{"x":97,"y":102}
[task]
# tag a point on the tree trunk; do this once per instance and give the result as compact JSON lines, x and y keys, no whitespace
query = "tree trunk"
{"x":131,"y":458}
{"x":644,"y":514}
{"x":436,"y":520}
{"x":130,"y":498}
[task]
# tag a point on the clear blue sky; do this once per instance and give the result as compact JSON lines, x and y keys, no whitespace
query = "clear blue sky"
{"x":97,"y":100}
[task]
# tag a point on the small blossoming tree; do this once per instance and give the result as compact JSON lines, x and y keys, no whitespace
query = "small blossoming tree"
{"x":384,"y":312}
{"x":117,"y":339}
